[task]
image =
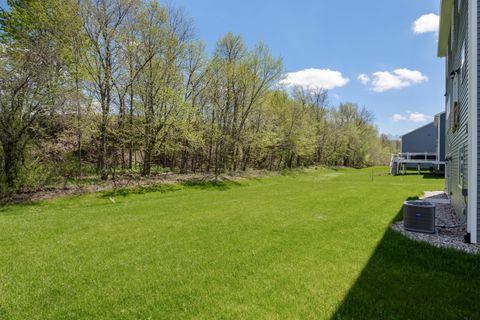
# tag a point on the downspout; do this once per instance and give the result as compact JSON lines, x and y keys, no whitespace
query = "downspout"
{"x":472,"y":120}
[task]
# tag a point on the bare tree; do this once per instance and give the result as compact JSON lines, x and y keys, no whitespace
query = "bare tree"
{"x":102,"y":21}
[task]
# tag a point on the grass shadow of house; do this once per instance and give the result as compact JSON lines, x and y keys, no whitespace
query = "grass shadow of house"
{"x":404,"y":279}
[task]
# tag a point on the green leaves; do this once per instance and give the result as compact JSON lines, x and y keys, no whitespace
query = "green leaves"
{"x":124,"y":84}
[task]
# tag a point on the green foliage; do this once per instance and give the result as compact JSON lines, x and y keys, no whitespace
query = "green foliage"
{"x":120,"y":86}
{"x":33,"y":78}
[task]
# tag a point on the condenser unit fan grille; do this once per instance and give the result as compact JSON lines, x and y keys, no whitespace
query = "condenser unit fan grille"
{"x":419,"y":216}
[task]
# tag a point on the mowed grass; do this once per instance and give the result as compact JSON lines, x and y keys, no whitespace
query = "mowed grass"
{"x":309,"y":245}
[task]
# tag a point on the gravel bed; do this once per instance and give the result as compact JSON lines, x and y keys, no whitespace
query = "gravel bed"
{"x":450,"y":231}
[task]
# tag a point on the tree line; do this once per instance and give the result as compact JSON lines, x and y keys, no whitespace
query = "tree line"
{"x":109,"y":87}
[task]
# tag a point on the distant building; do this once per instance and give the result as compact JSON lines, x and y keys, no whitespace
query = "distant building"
{"x":427,"y":144}
{"x":421,"y":140}
{"x":440,"y":125}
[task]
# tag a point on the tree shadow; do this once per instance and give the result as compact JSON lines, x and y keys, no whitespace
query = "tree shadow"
{"x":200,"y":184}
{"x":291,"y":172}
{"x":124,"y":192}
{"x":405,"y":279}
{"x":223,"y":185}
{"x":12,"y":208}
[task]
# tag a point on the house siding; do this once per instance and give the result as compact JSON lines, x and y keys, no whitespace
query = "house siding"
{"x":478,"y":120}
{"x":458,"y":139}
{"x":421,"y":140}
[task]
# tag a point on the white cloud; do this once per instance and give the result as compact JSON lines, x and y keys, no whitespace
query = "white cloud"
{"x":426,"y":24}
{"x":399,"y":78}
{"x":364,"y":79}
{"x":398,"y":117}
{"x":315,"y":79}
{"x":413,"y":76}
{"x":416,"y":117}
{"x":419,"y":117}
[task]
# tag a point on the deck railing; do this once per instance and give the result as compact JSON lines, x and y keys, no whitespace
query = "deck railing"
{"x":422,"y":156}
{"x":400,"y":161}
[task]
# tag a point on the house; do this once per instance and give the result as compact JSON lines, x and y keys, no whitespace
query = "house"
{"x":421,"y":140}
{"x":458,"y":44}
{"x":426,"y":143}
{"x":440,"y":125}
{"x":422,"y":148}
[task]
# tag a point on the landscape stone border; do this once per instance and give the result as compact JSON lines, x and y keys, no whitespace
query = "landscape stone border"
{"x":450,"y":231}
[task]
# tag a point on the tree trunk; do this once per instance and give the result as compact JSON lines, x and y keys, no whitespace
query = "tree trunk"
{"x":102,"y":157}
{"x":130,"y":146}
{"x":147,"y":153}
{"x":11,"y":164}
{"x":79,"y":124}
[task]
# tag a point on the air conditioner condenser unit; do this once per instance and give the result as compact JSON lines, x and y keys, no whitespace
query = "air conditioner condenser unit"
{"x":419,"y":216}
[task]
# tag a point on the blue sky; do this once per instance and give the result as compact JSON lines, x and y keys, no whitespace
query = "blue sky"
{"x":348,"y":37}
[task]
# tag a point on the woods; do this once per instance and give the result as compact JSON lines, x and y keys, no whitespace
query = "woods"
{"x":100,"y":88}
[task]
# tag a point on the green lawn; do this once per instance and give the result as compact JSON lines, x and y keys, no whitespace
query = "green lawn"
{"x":312,"y":245}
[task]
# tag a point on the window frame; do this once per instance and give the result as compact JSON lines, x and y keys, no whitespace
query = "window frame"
{"x":455,"y":104}
{"x":455,"y":121}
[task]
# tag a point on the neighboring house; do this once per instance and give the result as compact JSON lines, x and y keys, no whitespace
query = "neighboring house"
{"x":440,"y":126}
{"x":458,"y":43}
{"x":427,"y":144}
{"x":421,"y":140}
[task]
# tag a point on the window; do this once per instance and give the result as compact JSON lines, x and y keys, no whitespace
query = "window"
{"x":455,"y":120}
{"x":461,"y":166}
{"x":455,"y":107}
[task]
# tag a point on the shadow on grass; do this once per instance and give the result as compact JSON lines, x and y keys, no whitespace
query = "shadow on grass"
{"x":9,"y":208}
{"x":425,"y":175}
{"x":167,"y":188}
{"x":223,"y":185}
{"x":404,"y":279}
{"x":293,"y":172}
{"x":163,"y":188}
